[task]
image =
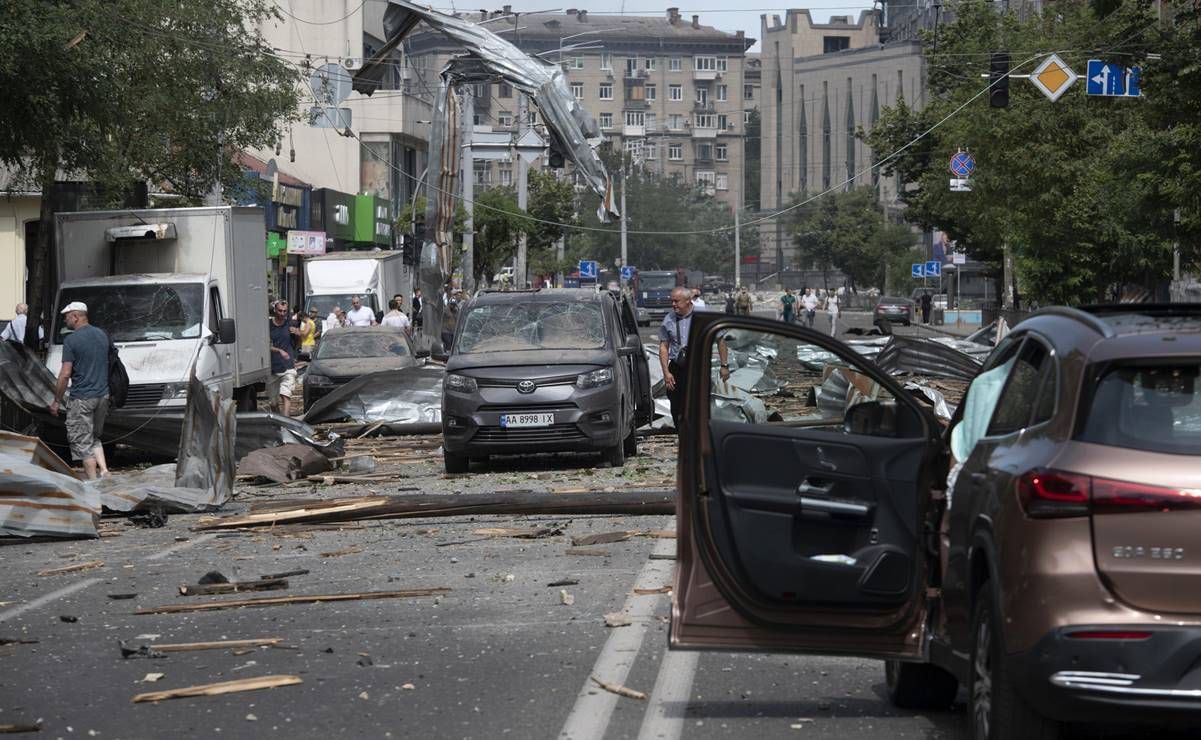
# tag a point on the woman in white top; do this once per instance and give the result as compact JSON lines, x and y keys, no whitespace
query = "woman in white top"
{"x":832,"y":310}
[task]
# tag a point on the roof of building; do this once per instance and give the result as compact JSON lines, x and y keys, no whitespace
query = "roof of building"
{"x":254,"y":164}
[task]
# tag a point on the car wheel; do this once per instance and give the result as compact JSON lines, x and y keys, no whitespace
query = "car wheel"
{"x":997,"y":711}
{"x":454,"y":463}
{"x":616,"y":455}
{"x":905,"y":323}
{"x":919,"y":685}
{"x":631,"y":443}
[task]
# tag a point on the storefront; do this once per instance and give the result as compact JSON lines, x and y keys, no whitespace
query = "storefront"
{"x":287,"y":211}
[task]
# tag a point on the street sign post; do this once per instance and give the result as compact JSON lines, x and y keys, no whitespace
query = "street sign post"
{"x":1053,"y":77}
{"x":933,"y":269}
{"x":963,"y":165}
{"x":588,"y":270}
{"x":918,"y":270}
{"x":1109,"y":80}
{"x":627,"y":273}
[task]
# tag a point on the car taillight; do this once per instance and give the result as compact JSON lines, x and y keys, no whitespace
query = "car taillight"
{"x":1116,"y":496}
{"x":1109,"y":635}
{"x":1051,"y":493}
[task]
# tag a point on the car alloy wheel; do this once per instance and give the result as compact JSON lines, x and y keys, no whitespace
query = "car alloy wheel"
{"x":982,"y":680}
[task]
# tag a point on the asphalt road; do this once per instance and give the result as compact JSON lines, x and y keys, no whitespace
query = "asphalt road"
{"x":503,"y":653}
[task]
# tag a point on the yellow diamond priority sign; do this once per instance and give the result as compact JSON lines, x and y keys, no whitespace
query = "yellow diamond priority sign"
{"x":1053,"y":77}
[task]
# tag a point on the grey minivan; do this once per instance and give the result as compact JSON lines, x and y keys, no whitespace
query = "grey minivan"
{"x":549,"y":370}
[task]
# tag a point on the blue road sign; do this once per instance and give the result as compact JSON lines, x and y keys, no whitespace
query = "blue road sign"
{"x":1109,"y":80}
{"x":588,"y":270}
{"x":962,"y":164}
{"x":918,"y":270}
{"x":934,"y":268}
{"x":627,"y":272}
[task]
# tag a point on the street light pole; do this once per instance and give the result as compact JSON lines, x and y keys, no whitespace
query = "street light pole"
{"x":737,"y":247}
{"x":468,"y":169}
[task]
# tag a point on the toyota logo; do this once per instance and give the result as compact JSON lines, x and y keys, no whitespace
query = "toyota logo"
{"x":526,"y":386}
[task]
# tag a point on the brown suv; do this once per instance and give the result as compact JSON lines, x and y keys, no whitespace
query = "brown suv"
{"x":1066,"y":584}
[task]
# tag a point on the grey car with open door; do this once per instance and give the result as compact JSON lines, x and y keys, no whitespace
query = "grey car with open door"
{"x":803,"y":512}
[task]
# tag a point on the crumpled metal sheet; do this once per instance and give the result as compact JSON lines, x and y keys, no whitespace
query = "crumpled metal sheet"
{"x":842,"y":388}
{"x":937,"y":400}
{"x":39,"y":493}
{"x":206,"y":444}
{"x":906,"y":355}
{"x":730,"y":403}
{"x":154,"y":488}
{"x":284,"y":463}
{"x":411,"y":395}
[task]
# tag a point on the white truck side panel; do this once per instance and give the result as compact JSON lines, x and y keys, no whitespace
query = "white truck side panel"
{"x":332,"y":277}
{"x":248,"y":295}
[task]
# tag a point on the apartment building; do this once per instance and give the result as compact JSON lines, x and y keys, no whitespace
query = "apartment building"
{"x":822,"y":82}
{"x":669,"y":91}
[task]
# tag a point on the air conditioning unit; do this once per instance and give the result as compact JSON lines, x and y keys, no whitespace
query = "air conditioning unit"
{"x":353,"y":64}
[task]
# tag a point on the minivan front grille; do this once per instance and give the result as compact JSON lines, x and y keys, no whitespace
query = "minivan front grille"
{"x":144,"y":395}
{"x":556,"y":433}
{"x":526,"y":408}
{"x":503,"y":383}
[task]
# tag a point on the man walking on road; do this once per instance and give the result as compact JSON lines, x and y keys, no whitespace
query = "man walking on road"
{"x":360,"y":315}
{"x":926,"y":302}
{"x":809,"y":306}
{"x":396,"y":318}
{"x":743,"y":302}
{"x":787,"y":306}
{"x":283,"y":360}
{"x":832,"y":311}
{"x":673,"y":351}
{"x":85,"y":365}
{"x":15,"y":331}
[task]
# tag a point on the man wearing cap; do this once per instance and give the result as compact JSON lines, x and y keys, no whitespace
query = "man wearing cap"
{"x":284,"y":334}
{"x":85,"y":365}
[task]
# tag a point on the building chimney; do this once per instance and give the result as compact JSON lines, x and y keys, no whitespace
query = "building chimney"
{"x":673,"y":16}
{"x":582,"y":16}
{"x":740,"y":34}
{"x":572,"y":11}
{"x":508,"y":10}
{"x":696,"y":21}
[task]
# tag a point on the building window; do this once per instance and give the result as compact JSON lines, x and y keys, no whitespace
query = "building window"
{"x":652,"y":122}
{"x":705,"y":120}
{"x":504,"y":119}
{"x":631,"y":66}
{"x":723,"y":93}
{"x":575,"y":62}
{"x":504,"y":90}
{"x":748,"y":92}
{"x":635,"y":118}
{"x":675,"y":92}
{"x":704,"y":64}
{"x":606,"y":61}
{"x":606,"y":120}
{"x":702,"y":95}
{"x":675,"y":121}
{"x":831,"y":44}
{"x":606,"y":91}
{"x":675,"y":152}
{"x":721,"y":64}
{"x":722,"y":152}
{"x":651,"y":92}
{"x":650,"y":64}
{"x":746,"y":116}
{"x":704,"y":152}
{"x":633,"y":149}
{"x":531,"y":117}
{"x":706,"y":180}
{"x":506,"y":177}
{"x":577,"y":90}
{"x":723,"y":181}
{"x":650,"y":150}
{"x":674,"y":64}
{"x":483,"y":175}
{"x":723,"y":121}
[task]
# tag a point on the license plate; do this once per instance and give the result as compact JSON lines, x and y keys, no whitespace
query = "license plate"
{"x":509,"y":421}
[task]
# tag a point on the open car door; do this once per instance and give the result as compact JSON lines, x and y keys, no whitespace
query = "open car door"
{"x":803,"y":515}
{"x":644,"y":405}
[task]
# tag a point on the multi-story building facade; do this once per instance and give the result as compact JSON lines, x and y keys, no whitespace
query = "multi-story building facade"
{"x":822,"y":82}
{"x":668,"y":91}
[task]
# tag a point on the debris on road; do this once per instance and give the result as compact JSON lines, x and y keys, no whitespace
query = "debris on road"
{"x":223,"y":687}
{"x":73,"y":568}
{"x":909,"y":355}
{"x":618,"y":689}
{"x":210,"y":589}
{"x":141,"y":651}
{"x":651,"y":591}
{"x":592,"y":552}
{"x":604,"y":538}
{"x":152,"y":677}
{"x":12,"y":728}
{"x":521,"y":533}
{"x":617,"y":619}
{"x":397,"y":401}
{"x":352,"y":550}
{"x":44,"y":497}
{"x":565,"y":598}
{"x":563,"y":582}
{"x":284,"y":463}
{"x":183,"y":647}
{"x":281,"y":600}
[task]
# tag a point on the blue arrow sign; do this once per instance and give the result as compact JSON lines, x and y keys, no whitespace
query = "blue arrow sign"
{"x":918,"y":270}
{"x":588,"y":270}
{"x":627,"y":272}
{"x":934,"y":268}
{"x":1108,"y":80}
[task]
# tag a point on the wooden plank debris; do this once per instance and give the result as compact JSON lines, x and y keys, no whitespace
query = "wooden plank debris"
{"x":616,"y":688}
{"x":184,"y":647}
{"x":210,"y":589}
{"x":604,"y":538}
{"x":594,"y":552}
{"x":75,"y":568}
{"x":633,"y":502}
{"x":222,"y":687}
{"x":652,"y":591}
{"x":280,"y":600}
{"x":352,"y":550}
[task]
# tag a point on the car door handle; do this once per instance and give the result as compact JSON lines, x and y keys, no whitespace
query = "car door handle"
{"x":832,"y":506}
{"x":811,"y":488}
{"x":979,"y":477}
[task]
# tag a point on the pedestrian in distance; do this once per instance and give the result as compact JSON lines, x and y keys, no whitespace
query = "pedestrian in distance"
{"x":284,"y":336}
{"x":926,"y":301}
{"x":787,"y":306}
{"x":832,"y":309}
{"x":697,"y":302}
{"x":85,"y":367}
{"x":396,"y":318}
{"x":360,"y":315}
{"x":743,"y":302}
{"x":730,"y":307}
{"x":673,"y":351}
{"x":308,"y":333}
{"x":417,"y":318}
{"x":15,"y":331}
{"x":809,"y":307}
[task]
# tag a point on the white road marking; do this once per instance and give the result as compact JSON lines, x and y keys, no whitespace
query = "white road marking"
{"x":44,"y":599}
{"x":182,"y":546}
{"x":594,"y":706}
{"x":664,"y":718}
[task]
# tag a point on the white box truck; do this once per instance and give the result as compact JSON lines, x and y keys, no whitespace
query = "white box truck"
{"x":333,"y":279}
{"x":178,"y":290}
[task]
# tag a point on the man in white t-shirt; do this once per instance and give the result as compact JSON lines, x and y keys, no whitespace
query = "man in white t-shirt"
{"x":396,"y":318}
{"x":698,"y":303}
{"x":360,"y":315}
{"x":808,"y":307}
{"x":15,"y":331}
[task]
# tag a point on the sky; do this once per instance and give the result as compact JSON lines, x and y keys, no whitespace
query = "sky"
{"x":725,"y":16}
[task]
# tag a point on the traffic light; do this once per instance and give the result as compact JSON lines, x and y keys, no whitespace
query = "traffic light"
{"x":998,"y":79}
{"x":408,"y":249}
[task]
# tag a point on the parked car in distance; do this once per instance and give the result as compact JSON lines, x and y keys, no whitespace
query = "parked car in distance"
{"x":548,"y":370}
{"x":894,"y":309}
{"x":346,"y":353}
{"x":1058,"y":579}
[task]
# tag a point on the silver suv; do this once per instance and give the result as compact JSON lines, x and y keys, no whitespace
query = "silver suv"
{"x":551,"y":370}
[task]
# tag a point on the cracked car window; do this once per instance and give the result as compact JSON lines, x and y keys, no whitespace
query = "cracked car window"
{"x":348,"y":344}
{"x":141,"y":312}
{"x":505,"y":327}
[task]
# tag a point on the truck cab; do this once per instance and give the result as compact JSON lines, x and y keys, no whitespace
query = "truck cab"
{"x":653,"y":293}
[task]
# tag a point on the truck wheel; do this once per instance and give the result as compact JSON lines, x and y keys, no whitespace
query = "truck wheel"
{"x":997,"y":711}
{"x":919,"y":685}
{"x":630,"y":444}
{"x":454,"y":463}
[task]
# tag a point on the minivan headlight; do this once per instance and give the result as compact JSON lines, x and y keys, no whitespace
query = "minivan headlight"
{"x":460,"y":383}
{"x":595,"y":379}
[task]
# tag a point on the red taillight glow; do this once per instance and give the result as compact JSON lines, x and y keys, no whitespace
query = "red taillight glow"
{"x":1053,"y":493}
{"x":1112,"y":496}
{"x":1109,"y":635}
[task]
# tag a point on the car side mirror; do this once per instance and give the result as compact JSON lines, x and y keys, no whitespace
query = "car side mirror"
{"x":227,"y":332}
{"x":632,"y":346}
{"x":871,"y":418}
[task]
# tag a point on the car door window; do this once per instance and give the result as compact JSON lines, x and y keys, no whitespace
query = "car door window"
{"x":214,"y":309}
{"x":1021,"y":393}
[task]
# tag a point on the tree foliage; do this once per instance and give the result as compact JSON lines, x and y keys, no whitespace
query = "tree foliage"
{"x":1082,"y":190}
{"x":551,"y":201}
{"x":847,"y":231}
{"x":498,"y":224}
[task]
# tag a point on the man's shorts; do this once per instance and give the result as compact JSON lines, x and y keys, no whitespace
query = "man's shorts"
{"x":85,"y":422}
{"x":281,"y":384}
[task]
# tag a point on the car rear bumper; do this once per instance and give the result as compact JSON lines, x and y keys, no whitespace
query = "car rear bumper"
{"x":1151,"y":680}
{"x":584,"y":421}
{"x":894,"y":317}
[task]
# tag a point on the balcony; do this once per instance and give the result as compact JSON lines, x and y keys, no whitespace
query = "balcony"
{"x":636,"y":132}
{"x":635,"y":74}
{"x":705,"y":74}
{"x":699,"y":132}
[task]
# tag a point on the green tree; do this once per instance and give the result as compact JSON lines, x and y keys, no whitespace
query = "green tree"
{"x":551,"y":201}
{"x":752,"y":160}
{"x":498,"y":224}
{"x":124,"y":91}
{"x":847,"y":231}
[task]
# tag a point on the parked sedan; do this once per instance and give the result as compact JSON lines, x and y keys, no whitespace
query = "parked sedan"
{"x":894,"y":309}
{"x":350,"y":352}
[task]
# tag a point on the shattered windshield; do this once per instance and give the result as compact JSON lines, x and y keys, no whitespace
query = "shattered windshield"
{"x":325,"y":303}
{"x":139,"y":312}
{"x":651,"y":281}
{"x":537,"y":325}
{"x":346,"y":344}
